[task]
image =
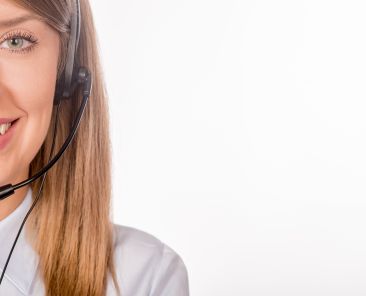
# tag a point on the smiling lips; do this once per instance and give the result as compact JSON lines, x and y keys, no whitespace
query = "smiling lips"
{"x":4,"y":128}
{"x":7,"y":131}
{"x":5,"y":124}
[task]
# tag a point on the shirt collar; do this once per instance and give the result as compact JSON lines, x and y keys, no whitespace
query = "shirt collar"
{"x":24,"y":260}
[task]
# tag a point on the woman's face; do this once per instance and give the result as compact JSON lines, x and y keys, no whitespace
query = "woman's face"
{"x":28,"y":67}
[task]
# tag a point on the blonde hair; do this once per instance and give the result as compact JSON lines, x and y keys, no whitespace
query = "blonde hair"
{"x":71,"y":222}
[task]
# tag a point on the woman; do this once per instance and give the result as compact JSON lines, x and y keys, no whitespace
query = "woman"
{"x":69,"y":245}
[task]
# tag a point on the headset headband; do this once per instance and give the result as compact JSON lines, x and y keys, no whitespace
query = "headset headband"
{"x":64,"y":87}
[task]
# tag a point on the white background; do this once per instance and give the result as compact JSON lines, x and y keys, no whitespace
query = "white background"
{"x":239,"y":138}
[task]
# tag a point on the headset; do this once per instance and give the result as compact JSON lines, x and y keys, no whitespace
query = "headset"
{"x":71,"y":77}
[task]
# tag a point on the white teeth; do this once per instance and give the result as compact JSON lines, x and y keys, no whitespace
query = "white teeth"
{"x":4,"y":128}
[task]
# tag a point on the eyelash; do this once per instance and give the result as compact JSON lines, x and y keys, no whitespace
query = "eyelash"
{"x":21,"y":35}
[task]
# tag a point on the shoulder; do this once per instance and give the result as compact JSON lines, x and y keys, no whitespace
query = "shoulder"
{"x":127,"y":236}
{"x":144,"y":261}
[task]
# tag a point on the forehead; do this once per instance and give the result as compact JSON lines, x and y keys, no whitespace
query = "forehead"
{"x":12,"y":14}
{"x":9,"y":7}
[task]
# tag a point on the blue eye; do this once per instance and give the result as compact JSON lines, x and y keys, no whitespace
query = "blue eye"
{"x":19,"y":42}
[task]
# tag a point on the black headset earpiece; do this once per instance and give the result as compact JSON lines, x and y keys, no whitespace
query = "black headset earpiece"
{"x":68,"y":81}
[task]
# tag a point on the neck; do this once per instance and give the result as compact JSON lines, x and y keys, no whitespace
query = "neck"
{"x":9,"y":204}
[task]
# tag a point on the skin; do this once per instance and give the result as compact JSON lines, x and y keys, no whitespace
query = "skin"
{"x":27,"y":85}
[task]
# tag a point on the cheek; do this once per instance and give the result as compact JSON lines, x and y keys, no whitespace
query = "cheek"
{"x":35,"y":96}
{"x":34,"y":125}
{"x":27,"y":90}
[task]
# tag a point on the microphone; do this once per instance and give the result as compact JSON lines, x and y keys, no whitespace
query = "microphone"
{"x":84,"y":77}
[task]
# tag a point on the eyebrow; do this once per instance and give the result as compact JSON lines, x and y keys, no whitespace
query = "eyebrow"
{"x":19,"y":20}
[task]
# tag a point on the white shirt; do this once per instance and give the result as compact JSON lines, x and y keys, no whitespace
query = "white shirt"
{"x":145,"y":266}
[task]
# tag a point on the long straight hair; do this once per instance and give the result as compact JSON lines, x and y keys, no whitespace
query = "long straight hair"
{"x":71,"y":223}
